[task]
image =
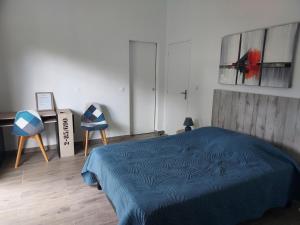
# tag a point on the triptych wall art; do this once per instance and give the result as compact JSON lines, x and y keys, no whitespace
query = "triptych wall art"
{"x":262,"y":57}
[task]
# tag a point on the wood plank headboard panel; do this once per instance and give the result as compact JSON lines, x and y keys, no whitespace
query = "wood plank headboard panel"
{"x":272,"y":118}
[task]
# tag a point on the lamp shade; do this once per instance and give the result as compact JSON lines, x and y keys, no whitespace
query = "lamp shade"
{"x":188,"y":122}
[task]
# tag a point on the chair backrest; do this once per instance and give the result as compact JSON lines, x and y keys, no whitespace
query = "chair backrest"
{"x":27,"y":123}
{"x":93,"y":113}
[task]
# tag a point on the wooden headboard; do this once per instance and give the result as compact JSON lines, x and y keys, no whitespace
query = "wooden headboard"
{"x":275,"y":119}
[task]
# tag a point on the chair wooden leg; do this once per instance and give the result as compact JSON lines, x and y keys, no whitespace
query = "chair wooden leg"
{"x":83,"y":140}
{"x":86,"y":141}
{"x":19,"y":138}
{"x":21,"y":142}
{"x":38,"y":139}
{"x":23,"y":151}
{"x":103,"y":137}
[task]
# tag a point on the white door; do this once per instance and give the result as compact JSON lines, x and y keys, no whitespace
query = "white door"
{"x":179,"y":56}
{"x":142,"y":60}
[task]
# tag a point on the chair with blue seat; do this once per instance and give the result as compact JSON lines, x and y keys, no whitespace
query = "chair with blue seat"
{"x":93,"y":120}
{"x":28,"y":124}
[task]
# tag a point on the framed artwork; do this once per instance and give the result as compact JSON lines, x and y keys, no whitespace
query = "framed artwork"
{"x":262,"y":57}
{"x":44,"y":101}
{"x":249,"y":70}
{"x":279,"y":56}
{"x":229,"y":55}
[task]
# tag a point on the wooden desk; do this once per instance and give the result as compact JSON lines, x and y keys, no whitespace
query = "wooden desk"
{"x":7,"y":120}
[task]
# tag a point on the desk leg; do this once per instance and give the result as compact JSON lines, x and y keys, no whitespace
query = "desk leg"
{"x":2,"y":146}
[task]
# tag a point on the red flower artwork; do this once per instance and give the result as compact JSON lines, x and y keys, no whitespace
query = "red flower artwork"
{"x":253,"y":65}
{"x":249,"y":64}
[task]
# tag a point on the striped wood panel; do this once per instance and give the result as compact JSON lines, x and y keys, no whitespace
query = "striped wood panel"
{"x":275,"y":119}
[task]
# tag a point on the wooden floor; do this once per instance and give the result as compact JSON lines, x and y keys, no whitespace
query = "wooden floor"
{"x":54,"y":193}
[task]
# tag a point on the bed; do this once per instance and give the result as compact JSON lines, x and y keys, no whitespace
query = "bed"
{"x":209,"y":176}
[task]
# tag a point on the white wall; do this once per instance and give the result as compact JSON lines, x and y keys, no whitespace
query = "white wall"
{"x":205,"y":22}
{"x":45,"y":44}
{"x":80,"y":51}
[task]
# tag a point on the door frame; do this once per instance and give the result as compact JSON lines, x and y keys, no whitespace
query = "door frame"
{"x":155,"y":86}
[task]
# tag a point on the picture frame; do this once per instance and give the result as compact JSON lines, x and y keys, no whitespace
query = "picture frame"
{"x":44,"y":101}
{"x":262,"y":57}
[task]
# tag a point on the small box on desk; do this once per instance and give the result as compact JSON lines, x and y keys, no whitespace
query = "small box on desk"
{"x":66,"y":132}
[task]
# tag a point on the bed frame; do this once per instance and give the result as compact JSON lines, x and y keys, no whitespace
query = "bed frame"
{"x":272,"y":118}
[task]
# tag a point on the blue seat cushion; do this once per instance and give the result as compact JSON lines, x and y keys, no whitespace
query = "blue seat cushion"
{"x":93,"y":126}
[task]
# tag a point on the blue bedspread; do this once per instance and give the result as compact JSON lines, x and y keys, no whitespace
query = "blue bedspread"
{"x":209,"y":176}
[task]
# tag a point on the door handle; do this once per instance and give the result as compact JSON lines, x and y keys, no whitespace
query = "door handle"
{"x":184,"y":93}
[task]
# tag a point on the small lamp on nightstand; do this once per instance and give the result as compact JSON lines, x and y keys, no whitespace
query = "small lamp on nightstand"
{"x":188,"y":122}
